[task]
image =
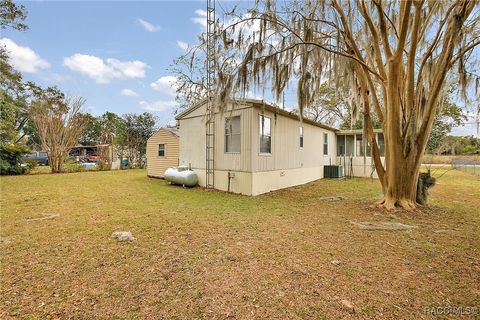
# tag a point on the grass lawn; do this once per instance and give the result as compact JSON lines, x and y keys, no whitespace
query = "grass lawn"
{"x":41,"y":170}
{"x":211,"y":255}
{"x":474,"y":169}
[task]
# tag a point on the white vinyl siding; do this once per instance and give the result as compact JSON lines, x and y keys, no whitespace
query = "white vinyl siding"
{"x":280,"y":138}
{"x":192,"y":130}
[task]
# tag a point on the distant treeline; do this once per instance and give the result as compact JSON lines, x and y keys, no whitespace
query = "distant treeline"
{"x":458,"y":145}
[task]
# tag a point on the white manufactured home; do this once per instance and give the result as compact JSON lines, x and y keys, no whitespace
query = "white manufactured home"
{"x":258,"y":147}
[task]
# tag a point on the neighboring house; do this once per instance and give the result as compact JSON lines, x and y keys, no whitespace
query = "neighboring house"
{"x":81,"y":152}
{"x":94,"y":153}
{"x":355,"y":155}
{"x":264,"y":147}
{"x":162,"y":151}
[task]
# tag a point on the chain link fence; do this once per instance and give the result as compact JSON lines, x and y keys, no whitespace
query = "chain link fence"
{"x":467,"y":164}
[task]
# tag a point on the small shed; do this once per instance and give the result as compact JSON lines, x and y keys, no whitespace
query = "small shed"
{"x":162,"y":151}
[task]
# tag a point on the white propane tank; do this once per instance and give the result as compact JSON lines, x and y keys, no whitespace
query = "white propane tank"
{"x":181,"y":175}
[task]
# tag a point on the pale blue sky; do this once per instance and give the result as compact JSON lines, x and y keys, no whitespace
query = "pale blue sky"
{"x":111,"y":53}
{"x":115,"y":54}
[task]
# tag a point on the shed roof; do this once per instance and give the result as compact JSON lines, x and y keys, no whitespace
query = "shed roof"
{"x":256,"y":103}
{"x":173,"y":131}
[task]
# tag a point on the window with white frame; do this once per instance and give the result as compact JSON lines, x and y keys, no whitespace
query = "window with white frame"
{"x":359,"y":146}
{"x":301,"y":137}
{"x":325,"y":143}
{"x":232,"y":135}
{"x":161,"y":150}
{"x":265,"y":134}
{"x":381,"y":143}
{"x":363,"y":147}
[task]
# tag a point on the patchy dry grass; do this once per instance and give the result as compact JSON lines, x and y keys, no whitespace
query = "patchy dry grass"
{"x":41,"y":170}
{"x":212,"y":255}
{"x":435,"y":159}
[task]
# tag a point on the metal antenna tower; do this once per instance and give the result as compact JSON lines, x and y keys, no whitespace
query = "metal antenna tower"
{"x":210,"y":116}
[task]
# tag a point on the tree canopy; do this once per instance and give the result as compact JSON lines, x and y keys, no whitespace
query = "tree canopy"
{"x":12,"y":15}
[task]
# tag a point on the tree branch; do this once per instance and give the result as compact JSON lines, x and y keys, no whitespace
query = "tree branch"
{"x":464,"y":51}
{"x":405,"y":19}
{"x":376,"y":41}
{"x":383,"y":29}
{"x":410,"y":105}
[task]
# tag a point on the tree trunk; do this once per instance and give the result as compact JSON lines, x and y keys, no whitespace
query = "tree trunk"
{"x":56,"y":159}
{"x":400,"y":189}
{"x":404,"y":151}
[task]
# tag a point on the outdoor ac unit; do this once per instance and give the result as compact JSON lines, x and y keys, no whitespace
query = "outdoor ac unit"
{"x":334,"y":172}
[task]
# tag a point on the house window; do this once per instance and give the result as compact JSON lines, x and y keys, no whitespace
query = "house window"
{"x":232,"y":134}
{"x":381,"y":144}
{"x":325,"y":144}
{"x":340,"y":145}
{"x":161,"y":150}
{"x":301,"y":137}
{"x":359,"y":145}
{"x":349,"y":145}
{"x":265,"y":134}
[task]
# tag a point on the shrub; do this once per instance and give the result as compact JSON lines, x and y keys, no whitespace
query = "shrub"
{"x":31,"y":164}
{"x":425,"y":182}
{"x":11,"y":159}
{"x":469,"y":149}
{"x":74,"y":166}
{"x":104,"y":165}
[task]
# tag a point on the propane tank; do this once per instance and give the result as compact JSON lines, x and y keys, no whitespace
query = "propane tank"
{"x":181,"y":175}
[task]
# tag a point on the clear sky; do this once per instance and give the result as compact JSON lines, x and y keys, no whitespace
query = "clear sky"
{"x":114,"y":54}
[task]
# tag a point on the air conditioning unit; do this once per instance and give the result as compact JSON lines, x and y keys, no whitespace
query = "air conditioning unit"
{"x":334,"y":172}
